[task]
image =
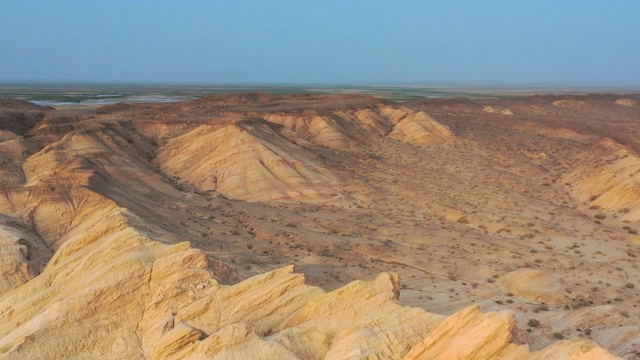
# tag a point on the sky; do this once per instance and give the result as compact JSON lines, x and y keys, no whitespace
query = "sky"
{"x":534,"y":42}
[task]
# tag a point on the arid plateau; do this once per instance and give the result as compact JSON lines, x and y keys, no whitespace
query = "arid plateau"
{"x":301,"y":226}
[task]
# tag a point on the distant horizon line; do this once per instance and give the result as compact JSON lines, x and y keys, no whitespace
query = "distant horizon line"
{"x":417,"y":84}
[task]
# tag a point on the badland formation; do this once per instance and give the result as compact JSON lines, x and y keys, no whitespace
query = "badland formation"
{"x":256,"y":226}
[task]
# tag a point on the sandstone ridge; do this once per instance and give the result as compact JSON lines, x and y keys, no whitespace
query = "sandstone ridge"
{"x":149,"y":300}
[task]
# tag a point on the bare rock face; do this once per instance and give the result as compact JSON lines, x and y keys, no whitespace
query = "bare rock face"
{"x":22,"y":257}
{"x":489,"y":109}
{"x":569,"y":103}
{"x":492,"y":110}
{"x":276,"y":313}
{"x":626,"y":102}
{"x":148,"y":300}
{"x":420,"y":128}
{"x":607,"y":178}
{"x":314,"y":128}
{"x":246,"y":161}
{"x":534,"y":285}
{"x":573,"y":349}
{"x":269,"y":156}
{"x":609,"y":326}
{"x":470,"y":334}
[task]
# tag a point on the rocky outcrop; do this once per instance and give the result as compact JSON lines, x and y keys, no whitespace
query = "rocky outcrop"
{"x":22,"y":257}
{"x":569,"y":103}
{"x":470,"y":334}
{"x":538,"y":286}
{"x":143,"y":299}
{"x":607,"y":178}
{"x":316,"y":129}
{"x":247,"y":161}
{"x":626,"y":102}
{"x":420,"y":128}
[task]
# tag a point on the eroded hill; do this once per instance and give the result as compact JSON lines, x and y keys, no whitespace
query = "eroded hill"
{"x":168,"y":230}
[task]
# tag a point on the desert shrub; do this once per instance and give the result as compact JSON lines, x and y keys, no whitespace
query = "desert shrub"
{"x":541,"y":307}
{"x":558,"y":335}
{"x":580,"y":303}
{"x":533,"y":323}
{"x":463,"y":220}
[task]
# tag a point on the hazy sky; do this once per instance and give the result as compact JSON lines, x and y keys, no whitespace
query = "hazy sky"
{"x":552,"y":42}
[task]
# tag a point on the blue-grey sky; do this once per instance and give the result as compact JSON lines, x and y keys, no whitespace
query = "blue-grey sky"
{"x":547,"y":42}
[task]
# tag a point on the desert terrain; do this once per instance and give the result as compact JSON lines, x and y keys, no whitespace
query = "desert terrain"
{"x":301,"y":226}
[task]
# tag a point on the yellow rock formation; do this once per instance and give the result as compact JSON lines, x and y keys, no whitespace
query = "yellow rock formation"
{"x":626,"y":102}
{"x":489,"y":109}
{"x":420,"y":128}
{"x":568,"y":103}
{"x":608,"y":180}
{"x":246,"y":161}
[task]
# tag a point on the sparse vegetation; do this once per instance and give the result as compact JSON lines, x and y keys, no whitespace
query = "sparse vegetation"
{"x":395,"y":207}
